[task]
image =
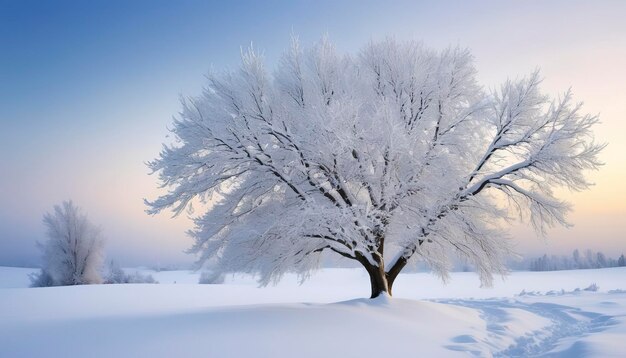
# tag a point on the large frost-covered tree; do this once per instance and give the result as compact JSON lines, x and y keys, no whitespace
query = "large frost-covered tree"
{"x":390,"y":156}
{"x":73,"y":253}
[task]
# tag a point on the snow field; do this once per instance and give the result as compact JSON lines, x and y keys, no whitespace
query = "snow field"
{"x":238,"y":319}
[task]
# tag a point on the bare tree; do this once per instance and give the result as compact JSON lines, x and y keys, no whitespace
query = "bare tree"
{"x":73,"y":253}
{"x":390,"y":156}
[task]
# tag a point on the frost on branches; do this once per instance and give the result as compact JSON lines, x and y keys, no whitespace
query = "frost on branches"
{"x":385,"y":157}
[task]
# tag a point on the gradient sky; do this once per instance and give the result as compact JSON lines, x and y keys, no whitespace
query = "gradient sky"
{"x":87,"y":89}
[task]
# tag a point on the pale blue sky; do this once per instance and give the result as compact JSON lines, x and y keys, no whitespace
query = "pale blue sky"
{"x":87,"y":89}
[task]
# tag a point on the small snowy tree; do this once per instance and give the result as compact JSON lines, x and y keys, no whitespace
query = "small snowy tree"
{"x":115,"y":274}
{"x":73,"y":253}
{"x":392,"y":156}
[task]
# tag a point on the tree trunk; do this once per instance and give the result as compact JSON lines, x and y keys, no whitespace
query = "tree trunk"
{"x":378,"y":281}
{"x":394,"y":271}
{"x":378,"y":277}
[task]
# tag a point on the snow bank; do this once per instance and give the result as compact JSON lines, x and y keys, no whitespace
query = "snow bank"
{"x":190,"y":321}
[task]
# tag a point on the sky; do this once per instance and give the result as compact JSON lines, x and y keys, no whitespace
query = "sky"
{"x":88,"y":89}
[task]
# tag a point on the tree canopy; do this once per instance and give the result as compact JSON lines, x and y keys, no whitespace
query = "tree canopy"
{"x":392,"y":155}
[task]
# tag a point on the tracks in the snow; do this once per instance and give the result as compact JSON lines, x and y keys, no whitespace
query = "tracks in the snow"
{"x":565,"y":322}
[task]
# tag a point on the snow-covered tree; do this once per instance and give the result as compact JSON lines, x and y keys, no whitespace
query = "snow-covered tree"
{"x":73,"y":253}
{"x":386,"y":157}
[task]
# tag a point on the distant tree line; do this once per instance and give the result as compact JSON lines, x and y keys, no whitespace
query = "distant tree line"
{"x":587,"y":260}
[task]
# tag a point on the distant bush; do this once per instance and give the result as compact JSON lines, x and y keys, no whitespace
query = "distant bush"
{"x":169,"y":267}
{"x":117,"y":275}
{"x":41,"y":279}
{"x":137,"y":277}
{"x":591,"y":288}
{"x":211,"y":277}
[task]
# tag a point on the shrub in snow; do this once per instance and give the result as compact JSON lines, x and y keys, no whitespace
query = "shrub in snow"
{"x":390,"y":156}
{"x":211,"y":277}
{"x":41,"y":279}
{"x":137,"y":277}
{"x":592,"y":288}
{"x":134,"y":277}
{"x":617,"y":291}
{"x":117,"y":275}
{"x":73,"y":252}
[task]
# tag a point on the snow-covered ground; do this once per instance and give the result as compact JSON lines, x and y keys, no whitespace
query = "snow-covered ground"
{"x":324,"y":317}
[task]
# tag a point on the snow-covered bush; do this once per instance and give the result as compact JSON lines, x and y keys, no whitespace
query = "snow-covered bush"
{"x":137,"y":277}
{"x":211,"y":277}
{"x":73,"y":253}
{"x":41,"y":279}
{"x":117,"y":275}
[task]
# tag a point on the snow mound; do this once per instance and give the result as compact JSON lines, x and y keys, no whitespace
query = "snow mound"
{"x":131,"y":321}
